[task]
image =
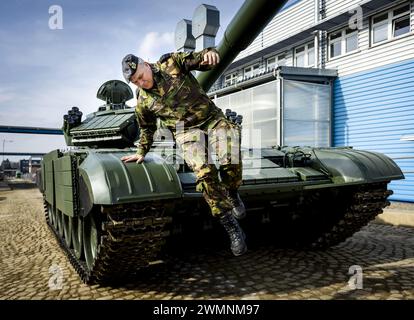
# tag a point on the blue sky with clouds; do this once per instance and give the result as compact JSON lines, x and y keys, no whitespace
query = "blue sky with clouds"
{"x":44,"y":72}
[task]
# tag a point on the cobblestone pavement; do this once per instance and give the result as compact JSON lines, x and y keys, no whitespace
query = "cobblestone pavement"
{"x":31,"y":259}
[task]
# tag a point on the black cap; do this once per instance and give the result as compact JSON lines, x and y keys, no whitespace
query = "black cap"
{"x":130,"y":65}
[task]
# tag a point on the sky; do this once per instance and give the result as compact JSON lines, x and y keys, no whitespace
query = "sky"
{"x":45,"y":71}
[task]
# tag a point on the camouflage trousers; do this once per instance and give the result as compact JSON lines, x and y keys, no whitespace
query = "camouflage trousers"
{"x":219,"y":137}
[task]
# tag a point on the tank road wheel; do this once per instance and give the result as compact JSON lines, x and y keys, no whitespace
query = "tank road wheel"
{"x":91,"y":240}
{"x":50,"y":214}
{"x":77,"y":236}
{"x":59,"y":217}
{"x":54,"y":218}
{"x":113,"y":242}
{"x":67,"y":229}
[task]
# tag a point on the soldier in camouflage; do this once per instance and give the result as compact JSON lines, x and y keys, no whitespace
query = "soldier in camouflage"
{"x":169,"y":91}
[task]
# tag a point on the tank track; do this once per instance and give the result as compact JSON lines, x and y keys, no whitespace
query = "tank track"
{"x":363,"y":205}
{"x":130,"y":237}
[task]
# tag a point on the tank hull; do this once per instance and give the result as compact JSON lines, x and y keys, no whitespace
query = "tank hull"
{"x":113,"y":219}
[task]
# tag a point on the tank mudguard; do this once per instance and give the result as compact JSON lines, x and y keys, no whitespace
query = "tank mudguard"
{"x":347,"y":165}
{"x":109,"y":181}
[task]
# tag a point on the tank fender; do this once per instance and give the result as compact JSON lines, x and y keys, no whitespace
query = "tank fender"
{"x":109,"y":181}
{"x":347,"y":165}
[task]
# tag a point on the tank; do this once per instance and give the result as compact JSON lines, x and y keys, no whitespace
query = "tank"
{"x":114,"y":219}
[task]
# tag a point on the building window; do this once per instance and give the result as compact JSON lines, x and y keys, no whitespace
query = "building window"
{"x":351,"y":40}
{"x":300,"y":57}
{"x":380,"y":28}
{"x":311,"y":54}
{"x":305,"y":55}
{"x":281,"y":59}
{"x":273,"y":62}
{"x":230,"y":79}
{"x":335,"y":40}
{"x":342,"y":42}
{"x":392,"y":24}
{"x":251,"y":71}
{"x":401,"y":26}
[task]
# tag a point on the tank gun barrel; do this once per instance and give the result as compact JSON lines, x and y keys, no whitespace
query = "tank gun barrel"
{"x":248,"y":22}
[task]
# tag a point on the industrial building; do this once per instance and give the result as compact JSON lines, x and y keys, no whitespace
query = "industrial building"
{"x":29,"y":165}
{"x":327,"y":73}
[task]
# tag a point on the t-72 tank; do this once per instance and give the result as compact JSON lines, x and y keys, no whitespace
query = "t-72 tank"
{"x":114,"y":218}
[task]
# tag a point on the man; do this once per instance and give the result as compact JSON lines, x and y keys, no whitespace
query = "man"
{"x":169,"y":91}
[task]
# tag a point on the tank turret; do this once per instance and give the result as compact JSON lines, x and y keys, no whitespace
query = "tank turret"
{"x":112,"y":126}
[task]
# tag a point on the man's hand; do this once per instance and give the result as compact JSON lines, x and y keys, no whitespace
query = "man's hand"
{"x":133,"y":157}
{"x":211,"y":58}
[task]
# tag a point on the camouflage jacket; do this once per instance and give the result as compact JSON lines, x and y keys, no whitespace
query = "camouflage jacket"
{"x":176,"y":96}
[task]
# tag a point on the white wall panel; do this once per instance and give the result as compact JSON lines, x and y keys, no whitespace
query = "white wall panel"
{"x":335,"y":7}
{"x":285,"y":24}
{"x":368,"y":58}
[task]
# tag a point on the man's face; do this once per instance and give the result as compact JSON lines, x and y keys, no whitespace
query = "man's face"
{"x":143,"y":76}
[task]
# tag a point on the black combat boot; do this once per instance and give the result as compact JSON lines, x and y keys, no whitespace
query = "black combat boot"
{"x":237,"y":236}
{"x":239,"y":211}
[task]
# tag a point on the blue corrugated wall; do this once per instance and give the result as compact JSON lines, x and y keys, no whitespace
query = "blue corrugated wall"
{"x":372,"y":111}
